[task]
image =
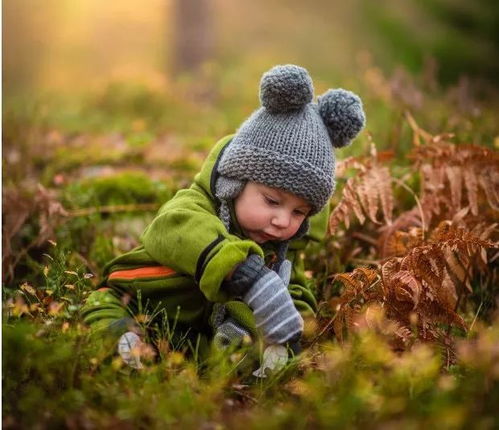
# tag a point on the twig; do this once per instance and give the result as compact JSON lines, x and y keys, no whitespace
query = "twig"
{"x":416,"y":128}
{"x":366,"y":261}
{"x":326,"y":328}
{"x":114,"y":209}
{"x":365,"y":238}
{"x":476,"y":316}
{"x":418,"y":203}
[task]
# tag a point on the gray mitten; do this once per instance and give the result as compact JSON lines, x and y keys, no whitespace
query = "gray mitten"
{"x":284,"y":271}
{"x":266,"y":294}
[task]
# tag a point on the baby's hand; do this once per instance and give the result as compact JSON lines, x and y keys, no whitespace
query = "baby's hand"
{"x":129,"y":347}
{"x":266,"y":293}
{"x":274,"y":359}
{"x":268,"y":297}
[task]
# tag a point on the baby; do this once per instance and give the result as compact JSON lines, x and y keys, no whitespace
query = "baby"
{"x":221,"y":259}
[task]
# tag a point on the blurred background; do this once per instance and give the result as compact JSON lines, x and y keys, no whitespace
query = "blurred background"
{"x":78,"y":44}
{"x":137,"y":58}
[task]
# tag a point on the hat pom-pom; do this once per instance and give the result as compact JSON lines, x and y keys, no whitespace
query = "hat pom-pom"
{"x":286,"y":88}
{"x":342,"y":112}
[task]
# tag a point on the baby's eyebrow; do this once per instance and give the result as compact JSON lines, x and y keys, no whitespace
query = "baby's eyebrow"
{"x":283,"y":195}
{"x":305,"y":207}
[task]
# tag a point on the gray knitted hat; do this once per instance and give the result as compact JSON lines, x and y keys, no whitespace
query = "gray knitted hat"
{"x":288,"y":142}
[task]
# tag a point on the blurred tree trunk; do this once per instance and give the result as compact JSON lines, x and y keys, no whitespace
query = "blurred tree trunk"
{"x":193,"y":37}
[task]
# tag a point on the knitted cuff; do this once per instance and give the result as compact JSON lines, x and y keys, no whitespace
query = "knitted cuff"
{"x":245,"y":275}
{"x":230,"y":333}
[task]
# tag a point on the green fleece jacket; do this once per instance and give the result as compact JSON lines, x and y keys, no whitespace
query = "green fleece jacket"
{"x":188,"y":237}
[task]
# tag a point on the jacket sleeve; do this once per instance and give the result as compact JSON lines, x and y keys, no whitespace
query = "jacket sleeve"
{"x":187,"y":236}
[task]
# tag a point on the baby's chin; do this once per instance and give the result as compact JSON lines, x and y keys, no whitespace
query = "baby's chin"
{"x":262,"y":238}
{"x":257,"y":238}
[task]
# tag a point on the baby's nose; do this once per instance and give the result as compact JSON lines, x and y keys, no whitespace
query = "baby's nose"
{"x":281,"y":219}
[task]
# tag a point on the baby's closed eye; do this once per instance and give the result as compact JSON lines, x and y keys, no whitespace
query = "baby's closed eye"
{"x":271,"y":201}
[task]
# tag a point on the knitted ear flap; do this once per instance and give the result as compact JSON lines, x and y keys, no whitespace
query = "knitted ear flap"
{"x":227,"y":189}
{"x":342,"y":112}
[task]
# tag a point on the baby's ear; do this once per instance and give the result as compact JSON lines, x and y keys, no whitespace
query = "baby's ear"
{"x":343,"y":115}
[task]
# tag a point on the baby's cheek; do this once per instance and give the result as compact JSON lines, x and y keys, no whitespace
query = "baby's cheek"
{"x":295,"y":227}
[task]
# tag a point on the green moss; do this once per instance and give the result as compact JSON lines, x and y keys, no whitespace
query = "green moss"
{"x":102,"y":250}
{"x":121,"y":188}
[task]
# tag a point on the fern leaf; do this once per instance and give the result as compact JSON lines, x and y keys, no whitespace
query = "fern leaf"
{"x":384,"y":187}
{"x":368,"y":197}
{"x":348,"y":280}
{"x":489,"y":182}
{"x":455,"y":177}
{"x":340,"y":213}
{"x":407,"y":286}
{"x":471,"y":184}
{"x":351,"y":200}
{"x":367,"y":276}
{"x":456,"y":269}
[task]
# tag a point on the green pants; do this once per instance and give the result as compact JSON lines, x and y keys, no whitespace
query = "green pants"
{"x":158,"y":303}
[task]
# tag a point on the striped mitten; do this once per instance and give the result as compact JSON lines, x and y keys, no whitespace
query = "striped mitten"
{"x":266,"y":294}
{"x":229,"y":333}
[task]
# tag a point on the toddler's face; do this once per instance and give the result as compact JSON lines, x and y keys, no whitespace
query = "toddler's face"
{"x":267,"y":213}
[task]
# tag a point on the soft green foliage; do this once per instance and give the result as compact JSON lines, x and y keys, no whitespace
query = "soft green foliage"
{"x":459,"y":35}
{"x":56,"y":378}
{"x":125,"y":188}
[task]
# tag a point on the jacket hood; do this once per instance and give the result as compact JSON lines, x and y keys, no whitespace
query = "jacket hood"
{"x":207,"y":176}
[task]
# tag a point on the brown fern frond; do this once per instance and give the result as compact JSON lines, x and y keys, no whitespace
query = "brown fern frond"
{"x":448,"y":234}
{"x":431,"y":252}
{"x":384,"y":182}
{"x":352,"y":201}
{"x":400,"y":243}
{"x":455,"y":178}
{"x":458,"y":271}
{"x":349,"y":281}
{"x":368,"y":195}
{"x":489,"y":181}
{"x":471,"y":185}
{"x":358,"y":289}
{"x":451,"y":172}
{"x":364,"y":194}
{"x":350,"y":163}
{"x":406,"y":287}
{"x":426,"y":264}
{"x":366,"y":275}
{"x":394,"y":240}
{"x":356,"y":282}
{"x":341,"y":213}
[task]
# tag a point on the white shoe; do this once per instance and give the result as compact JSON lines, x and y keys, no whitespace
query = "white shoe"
{"x":129,"y":347}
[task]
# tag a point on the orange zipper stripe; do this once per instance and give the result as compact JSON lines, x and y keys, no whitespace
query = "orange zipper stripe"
{"x":142,"y":272}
